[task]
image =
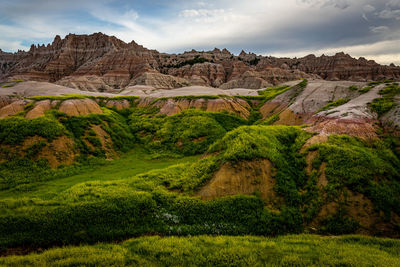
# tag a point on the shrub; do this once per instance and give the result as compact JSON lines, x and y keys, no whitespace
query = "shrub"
{"x":14,"y":131}
{"x":334,"y":104}
{"x":385,"y":103}
{"x":189,"y":132}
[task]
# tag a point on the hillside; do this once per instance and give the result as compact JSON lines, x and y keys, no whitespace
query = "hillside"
{"x":113,"y":153}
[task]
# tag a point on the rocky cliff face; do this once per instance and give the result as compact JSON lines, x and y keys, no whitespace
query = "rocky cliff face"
{"x":338,"y":67}
{"x":98,"y":62}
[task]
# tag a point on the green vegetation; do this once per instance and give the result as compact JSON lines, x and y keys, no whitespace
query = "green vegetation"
{"x":292,"y":250}
{"x":268,"y":95}
{"x":375,"y":83}
{"x":22,"y":166}
{"x":271,"y":93}
{"x":385,"y":103}
{"x":369,"y":87}
{"x":114,"y":210}
{"x":334,"y":104}
{"x":280,"y":145}
{"x":15,"y":130}
{"x":271,"y":120}
{"x":367,"y":168}
{"x":353,"y":88}
{"x":188,"y":97}
{"x":152,"y":190}
{"x":189,"y":132}
{"x":11,"y":83}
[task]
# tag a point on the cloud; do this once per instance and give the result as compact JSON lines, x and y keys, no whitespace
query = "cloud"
{"x":393,"y":3}
{"x":340,"y":4}
{"x":368,"y":8}
{"x":389,"y":14}
{"x":276,"y":27}
{"x":15,"y":45}
{"x":189,"y":13}
{"x":379,"y":29}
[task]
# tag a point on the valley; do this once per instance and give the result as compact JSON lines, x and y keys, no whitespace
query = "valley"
{"x":120,"y":155}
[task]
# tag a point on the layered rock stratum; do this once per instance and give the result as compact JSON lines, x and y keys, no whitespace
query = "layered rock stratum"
{"x":98,"y":62}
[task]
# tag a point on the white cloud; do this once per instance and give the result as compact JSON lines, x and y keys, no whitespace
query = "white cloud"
{"x":393,"y":3}
{"x":190,"y":13}
{"x":7,"y":45}
{"x":340,"y":4}
{"x":389,"y":14}
{"x":368,"y":8}
{"x":379,"y":29}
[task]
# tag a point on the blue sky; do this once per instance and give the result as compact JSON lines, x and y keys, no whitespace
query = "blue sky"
{"x":369,"y":28}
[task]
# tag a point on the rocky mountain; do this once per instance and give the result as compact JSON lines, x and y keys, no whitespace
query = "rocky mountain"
{"x":98,"y":62}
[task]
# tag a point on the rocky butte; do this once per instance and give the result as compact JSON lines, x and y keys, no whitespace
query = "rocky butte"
{"x":98,"y":62}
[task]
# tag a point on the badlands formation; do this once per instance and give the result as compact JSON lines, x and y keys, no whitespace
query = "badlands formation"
{"x":204,"y":142}
{"x":101,"y":65}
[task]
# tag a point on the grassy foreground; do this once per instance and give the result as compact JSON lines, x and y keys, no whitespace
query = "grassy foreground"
{"x":291,"y":250}
{"x":130,"y":164}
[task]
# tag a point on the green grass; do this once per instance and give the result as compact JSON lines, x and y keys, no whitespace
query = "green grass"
{"x":368,"y":168}
{"x":353,"y":88}
{"x":112,"y":210}
{"x":15,"y":130}
{"x":292,"y":250}
{"x":145,"y":193}
{"x":130,"y":164}
{"x":11,"y":83}
{"x":271,"y":93}
{"x":334,"y":104}
{"x":187,"y":133}
{"x":385,"y":103}
{"x":369,"y":86}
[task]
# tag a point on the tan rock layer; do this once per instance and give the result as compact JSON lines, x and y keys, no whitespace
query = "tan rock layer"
{"x":174,"y":106}
{"x":77,"y":107}
{"x":39,"y":109}
{"x":13,"y":108}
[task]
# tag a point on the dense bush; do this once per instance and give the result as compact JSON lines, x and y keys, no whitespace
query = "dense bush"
{"x":368,"y":168}
{"x":113,"y":211}
{"x":14,"y":131}
{"x":189,"y":132}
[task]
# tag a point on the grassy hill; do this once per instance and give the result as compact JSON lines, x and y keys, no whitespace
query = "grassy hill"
{"x":200,"y":183}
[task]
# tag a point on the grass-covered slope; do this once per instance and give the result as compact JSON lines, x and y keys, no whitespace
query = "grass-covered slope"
{"x":31,"y":149}
{"x":300,"y":250}
{"x":189,"y":132}
{"x":327,"y":187}
{"x":144,"y":204}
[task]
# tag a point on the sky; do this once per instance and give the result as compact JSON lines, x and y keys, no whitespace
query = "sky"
{"x":294,"y":28}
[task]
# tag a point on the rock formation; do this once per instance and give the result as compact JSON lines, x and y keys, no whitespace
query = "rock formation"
{"x":76,"y":107}
{"x":98,"y":62}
